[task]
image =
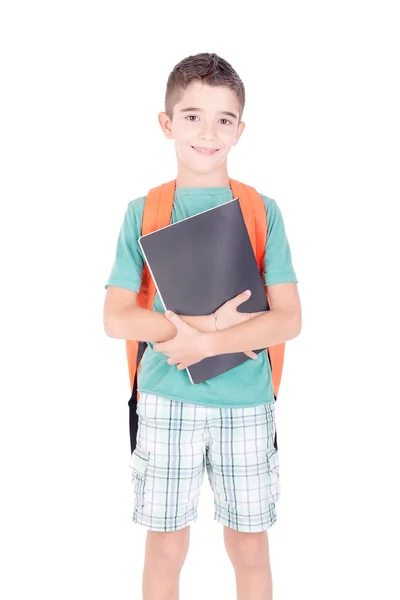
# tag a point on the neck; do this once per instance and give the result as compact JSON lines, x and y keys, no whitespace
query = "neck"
{"x":187,"y":178}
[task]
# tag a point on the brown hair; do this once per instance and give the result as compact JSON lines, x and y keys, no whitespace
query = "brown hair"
{"x":209,"y":68}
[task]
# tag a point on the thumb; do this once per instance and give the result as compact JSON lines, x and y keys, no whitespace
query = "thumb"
{"x":174,"y":318}
{"x":240,"y":298}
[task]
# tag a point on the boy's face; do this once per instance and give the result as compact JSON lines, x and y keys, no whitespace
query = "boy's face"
{"x":205,"y":125}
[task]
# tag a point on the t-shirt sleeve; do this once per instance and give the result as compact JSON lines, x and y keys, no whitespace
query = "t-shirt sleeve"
{"x":128,"y":264}
{"x":278,"y":267}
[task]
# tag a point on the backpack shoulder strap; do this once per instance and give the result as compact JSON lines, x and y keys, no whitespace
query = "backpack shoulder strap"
{"x":241,"y":191}
{"x":158,"y":207}
{"x":156,"y":214}
{"x":257,"y":225}
{"x":255,"y":217}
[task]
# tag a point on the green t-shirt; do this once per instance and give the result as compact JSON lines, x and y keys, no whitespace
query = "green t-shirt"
{"x":248,"y":384}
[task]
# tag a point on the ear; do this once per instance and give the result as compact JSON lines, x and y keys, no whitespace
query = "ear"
{"x":239,"y":132}
{"x":166,"y":124}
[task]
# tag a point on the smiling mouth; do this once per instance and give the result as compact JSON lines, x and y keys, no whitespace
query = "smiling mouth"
{"x":206,"y":151}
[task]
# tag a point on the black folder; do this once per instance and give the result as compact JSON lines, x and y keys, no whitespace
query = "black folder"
{"x":201,"y":262}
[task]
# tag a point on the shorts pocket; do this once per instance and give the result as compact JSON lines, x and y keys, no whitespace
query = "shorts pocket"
{"x":139,"y":463}
{"x":273,"y":481}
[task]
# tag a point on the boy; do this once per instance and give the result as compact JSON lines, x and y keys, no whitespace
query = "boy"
{"x":226,"y":424}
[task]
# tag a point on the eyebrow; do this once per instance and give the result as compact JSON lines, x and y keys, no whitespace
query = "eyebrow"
{"x":221,"y":112}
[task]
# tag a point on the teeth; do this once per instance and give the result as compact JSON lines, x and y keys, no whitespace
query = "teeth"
{"x":205,"y":151}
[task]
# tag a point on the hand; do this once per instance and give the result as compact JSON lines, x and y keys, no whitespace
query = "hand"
{"x":188,"y":347}
{"x":228,"y":316}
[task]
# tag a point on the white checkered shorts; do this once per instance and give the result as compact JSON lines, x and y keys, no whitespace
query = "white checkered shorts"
{"x":176,"y":440}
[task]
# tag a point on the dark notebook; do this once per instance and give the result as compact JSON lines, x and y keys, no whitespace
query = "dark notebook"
{"x":200,"y":263}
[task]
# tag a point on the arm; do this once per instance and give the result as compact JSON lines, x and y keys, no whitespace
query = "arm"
{"x":136,"y":323}
{"x":124,"y":320}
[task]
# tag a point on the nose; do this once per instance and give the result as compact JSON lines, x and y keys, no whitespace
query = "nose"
{"x":207,"y":131}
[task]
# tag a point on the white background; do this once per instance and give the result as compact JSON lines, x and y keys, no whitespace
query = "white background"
{"x":82,"y":85}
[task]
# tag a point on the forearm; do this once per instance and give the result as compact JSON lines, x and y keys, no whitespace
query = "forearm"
{"x":136,"y":323}
{"x":269,"y":329}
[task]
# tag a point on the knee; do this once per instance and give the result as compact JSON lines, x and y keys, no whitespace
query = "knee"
{"x":167,"y":550}
{"x":248,"y":550}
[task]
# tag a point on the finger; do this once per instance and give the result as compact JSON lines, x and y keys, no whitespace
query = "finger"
{"x":171,"y":361}
{"x":175,"y":319}
{"x":252,"y":355}
{"x":240,"y":298}
{"x":181,"y":366}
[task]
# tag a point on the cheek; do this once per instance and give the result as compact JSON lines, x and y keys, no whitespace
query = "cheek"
{"x":230,"y":138}
{"x":227,"y":139}
{"x":183,"y":150}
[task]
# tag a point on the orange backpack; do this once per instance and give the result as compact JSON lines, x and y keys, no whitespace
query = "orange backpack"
{"x":157,"y":214}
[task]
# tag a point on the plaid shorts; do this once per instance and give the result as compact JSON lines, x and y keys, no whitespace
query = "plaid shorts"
{"x":176,"y":440}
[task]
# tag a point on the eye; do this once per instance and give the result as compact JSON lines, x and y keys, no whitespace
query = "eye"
{"x":189,"y":117}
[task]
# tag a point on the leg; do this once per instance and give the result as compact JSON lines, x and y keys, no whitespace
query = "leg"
{"x":164,"y":558}
{"x":249,"y":554}
{"x":243,"y":468}
{"x":167,"y":467}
